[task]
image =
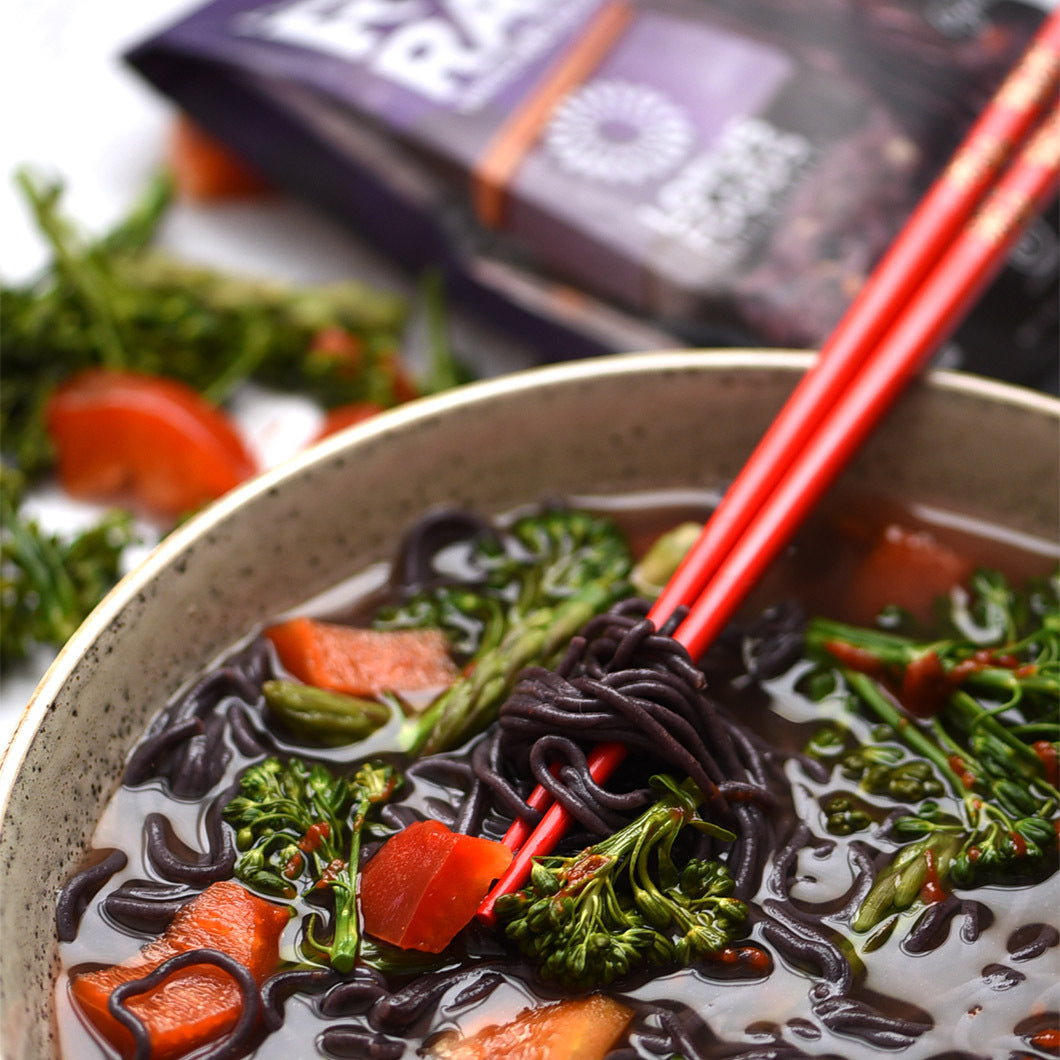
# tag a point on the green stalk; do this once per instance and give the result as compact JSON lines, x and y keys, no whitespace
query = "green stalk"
{"x":907,"y":730}
{"x":346,"y":940}
{"x":469,"y":705}
{"x":83,"y":273}
{"x":138,"y":228}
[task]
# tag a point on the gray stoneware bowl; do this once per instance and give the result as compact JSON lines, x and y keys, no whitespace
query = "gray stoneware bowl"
{"x":614,"y":425}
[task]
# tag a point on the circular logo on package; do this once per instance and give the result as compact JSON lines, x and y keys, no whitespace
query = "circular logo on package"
{"x":618,"y":132}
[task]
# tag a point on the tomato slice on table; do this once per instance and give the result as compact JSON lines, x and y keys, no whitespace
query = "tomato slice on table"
{"x":157,"y":443}
{"x":425,"y":883}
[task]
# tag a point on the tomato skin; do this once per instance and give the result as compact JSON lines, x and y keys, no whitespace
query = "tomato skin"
{"x":204,"y":169}
{"x":425,"y":884}
{"x":124,"y":435}
{"x":908,"y":567}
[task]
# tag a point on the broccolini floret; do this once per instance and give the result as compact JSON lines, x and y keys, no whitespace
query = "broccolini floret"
{"x":299,"y":831}
{"x":49,"y":583}
{"x":591,"y":918}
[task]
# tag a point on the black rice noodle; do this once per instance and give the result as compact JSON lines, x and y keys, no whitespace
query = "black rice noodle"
{"x":229,"y":1047}
{"x":1032,"y":940}
{"x":147,"y":905}
{"x":79,"y":891}
{"x":176,"y":862}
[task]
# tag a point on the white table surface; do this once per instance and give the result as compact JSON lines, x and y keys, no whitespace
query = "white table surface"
{"x":69,"y":106}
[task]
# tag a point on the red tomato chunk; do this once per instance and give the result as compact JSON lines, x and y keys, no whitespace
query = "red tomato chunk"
{"x":425,"y":883}
{"x":581,"y":1029}
{"x":363,"y":662}
{"x":124,"y":435}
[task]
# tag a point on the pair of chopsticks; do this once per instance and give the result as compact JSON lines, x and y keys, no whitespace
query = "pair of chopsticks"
{"x":955,"y":241}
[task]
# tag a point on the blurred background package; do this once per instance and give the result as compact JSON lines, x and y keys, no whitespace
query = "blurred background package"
{"x":607,"y":175}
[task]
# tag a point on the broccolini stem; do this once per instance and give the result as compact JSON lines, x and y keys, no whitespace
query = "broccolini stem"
{"x":875,"y":698}
{"x":137,"y":228}
{"x":968,"y":708}
{"x":81,"y":271}
{"x":468,"y":706}
{"x":343,"y":951}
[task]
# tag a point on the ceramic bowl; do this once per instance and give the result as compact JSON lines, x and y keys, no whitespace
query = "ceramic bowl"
{"x":615,"y":425}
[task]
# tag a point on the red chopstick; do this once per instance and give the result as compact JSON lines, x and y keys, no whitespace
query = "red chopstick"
{"x":887,"y":334}
{"x":603,"y":761}
{"x":941,"y":301}
{"x":1022,"y":98}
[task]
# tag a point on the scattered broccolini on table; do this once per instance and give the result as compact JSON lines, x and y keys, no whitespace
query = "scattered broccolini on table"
{"x":49,"y":584}
{"x":117,"y":302}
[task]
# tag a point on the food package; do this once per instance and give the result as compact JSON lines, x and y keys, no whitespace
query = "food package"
{"x":612,"y":174}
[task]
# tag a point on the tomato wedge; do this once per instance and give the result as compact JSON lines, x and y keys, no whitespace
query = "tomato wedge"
{"x":200,"y":1003}
{"x":363,"y":662}
{"x":580,"y":1029}
{"x":204,"y":169}
{"x":425,"y":883}
{"x":155,"y":442}
{"x":911,"y":566}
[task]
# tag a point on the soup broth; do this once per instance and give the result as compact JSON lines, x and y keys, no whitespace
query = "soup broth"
{"x":961,"y":971}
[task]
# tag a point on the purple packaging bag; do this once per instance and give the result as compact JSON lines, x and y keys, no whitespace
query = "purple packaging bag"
{"x":605,"y":174}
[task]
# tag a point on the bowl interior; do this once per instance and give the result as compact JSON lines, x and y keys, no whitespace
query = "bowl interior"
{"x":616,"y":425}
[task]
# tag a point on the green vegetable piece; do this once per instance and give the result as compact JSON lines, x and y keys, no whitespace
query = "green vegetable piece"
{"x":299,"y":830}
{"x":827,"y":743}
{"x":592,"y":917}
{"x":322,"y":716}
{"x":985,"y":748}
{"x":118,"y":302}
{"x":552,"y":573}
{"x":48,"y":584}
{"x":656,"y":566}
{"x":843,"y":816}
{"x":899,"y":885}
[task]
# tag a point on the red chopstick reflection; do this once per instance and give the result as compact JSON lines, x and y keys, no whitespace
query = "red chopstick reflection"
{"x":951,"y":247}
